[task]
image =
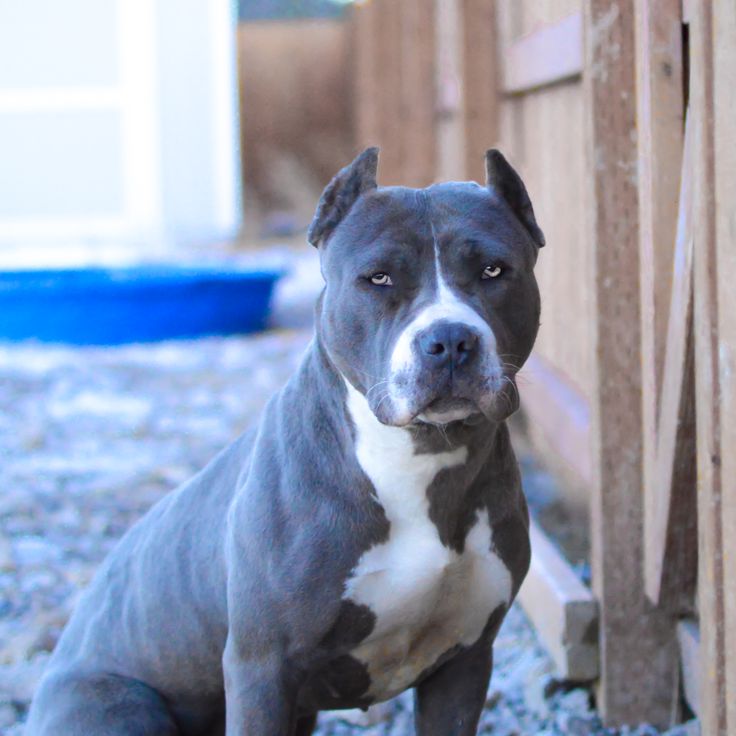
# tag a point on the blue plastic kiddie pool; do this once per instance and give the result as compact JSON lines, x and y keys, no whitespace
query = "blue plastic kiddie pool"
{"x":96,"y":306}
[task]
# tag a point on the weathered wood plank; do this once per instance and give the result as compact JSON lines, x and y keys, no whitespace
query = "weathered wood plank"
{"x":389,"y":72}
{"x":659,"y":92}
{"x":480,"y":71}
{"x":724,"y":121}
{"x":671,"y":537}
{"x":550,"y":55}
{"x":563,"y":611}
{"x":418,"y":117}
{"x":639,"y":653}
{"x":365,"y":20}
{"x":708,"y":409}
{"x":450,"y":93}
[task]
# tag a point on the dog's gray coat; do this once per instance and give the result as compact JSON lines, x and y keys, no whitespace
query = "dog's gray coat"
{"x":356,"y":544}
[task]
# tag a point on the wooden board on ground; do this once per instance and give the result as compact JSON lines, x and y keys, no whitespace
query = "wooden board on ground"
{"x":562,"y":609}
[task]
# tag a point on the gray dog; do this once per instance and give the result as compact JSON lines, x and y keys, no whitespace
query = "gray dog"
{"x":371,"y":534}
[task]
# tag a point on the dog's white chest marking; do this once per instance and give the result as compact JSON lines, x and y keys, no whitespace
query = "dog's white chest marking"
{"x":426,"y":597}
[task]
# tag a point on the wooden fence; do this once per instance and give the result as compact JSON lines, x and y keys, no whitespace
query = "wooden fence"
{"x":621,"y":117}
{"x":296,"y":104}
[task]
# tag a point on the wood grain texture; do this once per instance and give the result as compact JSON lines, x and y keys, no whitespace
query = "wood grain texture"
{"x":451,"y":156}
{"x":287,"y":70}
{"x":724,"y":132}
{"x":541,"y":133}
{"x":639,"y":654}
{"x":601,"y":158}
{"x":659,"y":93}
{"x":708,"y":409}
{"x":380,"y":83}
{"x":364,"y":19}
{"x":389,"y":85}
{"x":670,"y":530}
{"x":418,"y":113}
{"x":480,"y":79}
{"x":511,"y":117}
{"x":551,"y":54}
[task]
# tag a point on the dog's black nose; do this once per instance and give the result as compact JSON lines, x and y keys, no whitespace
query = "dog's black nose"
{"x":448,"y":342}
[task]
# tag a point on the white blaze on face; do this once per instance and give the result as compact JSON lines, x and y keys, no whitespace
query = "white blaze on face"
{"x":447,"y":307}
{"x":426,"y":597}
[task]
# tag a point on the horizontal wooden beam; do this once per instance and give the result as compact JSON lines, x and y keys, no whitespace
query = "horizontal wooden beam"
{"x":562,"y":609}
{"x":552,"y":54}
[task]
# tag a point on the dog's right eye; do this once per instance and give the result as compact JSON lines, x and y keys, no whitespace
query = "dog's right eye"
{"x":491,"y":272}
{"x":381,"y":279}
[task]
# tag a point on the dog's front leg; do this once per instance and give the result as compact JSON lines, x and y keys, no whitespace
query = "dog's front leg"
{"x":260,"y":700}
{"x":449,"y":702}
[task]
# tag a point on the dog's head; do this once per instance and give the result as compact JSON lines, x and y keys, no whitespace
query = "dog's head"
{"x":431,"y":305}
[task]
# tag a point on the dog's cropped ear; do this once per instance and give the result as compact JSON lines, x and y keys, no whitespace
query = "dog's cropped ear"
{"x":341,"y":194}
{"x":504,"y":181}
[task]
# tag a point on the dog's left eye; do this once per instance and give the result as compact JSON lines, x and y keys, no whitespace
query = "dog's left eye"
{"x":381,"y":279}
{"x":491,"y":272}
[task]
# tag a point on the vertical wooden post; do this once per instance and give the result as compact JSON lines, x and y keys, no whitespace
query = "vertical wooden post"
{"x":724,"y":121}
{"x":365,"y":21}
{"x":387,"y":48}
{"x":418,"y":113}
{"x":450,"y":126}
{"x":379,"y":83}
{"x":511,"y":114}
{"x":638,"y":644}
{"x":707,"y":380}
{"x":481,"y":82}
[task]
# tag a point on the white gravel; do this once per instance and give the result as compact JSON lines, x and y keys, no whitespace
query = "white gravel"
{"x":91,"y":437}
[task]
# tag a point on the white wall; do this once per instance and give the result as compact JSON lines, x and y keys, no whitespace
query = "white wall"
{"x":118,"y":128}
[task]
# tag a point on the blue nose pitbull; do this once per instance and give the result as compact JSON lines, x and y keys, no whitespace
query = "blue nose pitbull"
{"x":371,"y":534}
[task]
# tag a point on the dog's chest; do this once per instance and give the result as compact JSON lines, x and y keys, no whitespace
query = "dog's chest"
{"x":426,"y":598}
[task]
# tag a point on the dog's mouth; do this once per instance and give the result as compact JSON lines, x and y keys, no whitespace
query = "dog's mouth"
{"x":448,"y":409}
{"x":475,"y":398}
{"x":495,"y":404}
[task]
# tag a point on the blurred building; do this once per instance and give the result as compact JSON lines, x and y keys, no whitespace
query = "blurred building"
{"x":118,"y":127}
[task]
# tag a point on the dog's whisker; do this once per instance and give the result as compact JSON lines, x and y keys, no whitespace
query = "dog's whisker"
{"x":375,"y":386}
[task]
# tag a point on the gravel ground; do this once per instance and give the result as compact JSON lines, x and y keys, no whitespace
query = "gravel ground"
{"x":90,"y":438}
